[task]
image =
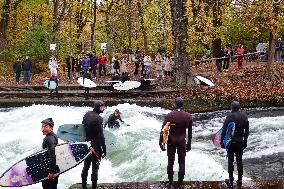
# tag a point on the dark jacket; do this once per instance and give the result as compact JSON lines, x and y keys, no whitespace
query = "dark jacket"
{"x":182,"y":121}
{"x":93,"y":123}
{"x":17,"y":67}
{"x":27,"y":65}
{"x":112,"y":120}
{"x":242,"y":126}
{"x":49,"y":143}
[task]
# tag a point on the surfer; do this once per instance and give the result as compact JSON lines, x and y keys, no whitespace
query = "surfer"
{"x":180,"y":121}
{"x":53,"y":78}
{"x":112,"y":120}
{"x":86,"y":75}
{"x":239,"y":141}
{"x":49,"y":142}
{"x":93,"y":123}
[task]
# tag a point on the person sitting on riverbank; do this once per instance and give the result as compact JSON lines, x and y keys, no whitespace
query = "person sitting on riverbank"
{"x":238,"y":141}
{"x":112,"y":120}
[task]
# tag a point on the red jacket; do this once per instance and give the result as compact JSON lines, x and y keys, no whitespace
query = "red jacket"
{"x":102,"y":59}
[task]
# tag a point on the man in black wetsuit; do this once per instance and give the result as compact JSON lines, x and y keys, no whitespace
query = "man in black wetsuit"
{"x":87,"y":75}
{"x":238,"y":143}
{"x":49,"y":143}
{"x":112,"y":120}
{"x":93,"y":123}
{"x":180,"y":121}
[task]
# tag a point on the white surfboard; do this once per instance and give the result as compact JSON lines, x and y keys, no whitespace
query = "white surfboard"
{"x":86,"y":82}
{"x":205,"y":80}
{"x":127,"y":85}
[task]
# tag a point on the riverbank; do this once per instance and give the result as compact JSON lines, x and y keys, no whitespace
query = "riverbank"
{"x":246,"y":85}
{"x":261,"y":184}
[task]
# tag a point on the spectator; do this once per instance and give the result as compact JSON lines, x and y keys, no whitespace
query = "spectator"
{"x":69,"y":64}
{"x":227,"y":57}
{"x":148,"y":66}
{"x":159,"y":67}
{"x":17,"y":69}
{"x":52,"y":65}
{"x":167,"y":66}
{"x":123,"y":68}
{"x":278,"y":50}
{"x":102,"y":64}
{"x":94,"y":63}
{"x":26,"y":66}
{"x":78,"y":67}
{"x":85,"y":63}
{"x":240,"y":53}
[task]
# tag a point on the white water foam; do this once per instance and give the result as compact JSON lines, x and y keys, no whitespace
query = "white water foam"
{"x":137,"y":156}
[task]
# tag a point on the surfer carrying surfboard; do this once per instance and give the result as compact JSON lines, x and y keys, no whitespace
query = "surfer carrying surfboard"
{"x":238,"y":141}
{"x":93,"y":123}
{"x":49,"y":143}
{"x":176,"y":140}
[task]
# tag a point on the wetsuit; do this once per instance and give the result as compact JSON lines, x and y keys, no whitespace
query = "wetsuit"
{"x":49,"y":142}
{"x":177,"y":140}
{"x":239,"y":142}
{"x":93,"y":123}
{"x":86,"y":75}
{"x":112,"y":121}
{"x":54,"y":78}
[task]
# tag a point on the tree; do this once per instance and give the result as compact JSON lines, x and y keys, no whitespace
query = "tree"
{"x":180,"y":35}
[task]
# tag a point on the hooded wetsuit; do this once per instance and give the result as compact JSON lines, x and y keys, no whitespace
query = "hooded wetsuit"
{"x":239,"y":141}
{"x":93,"y":123}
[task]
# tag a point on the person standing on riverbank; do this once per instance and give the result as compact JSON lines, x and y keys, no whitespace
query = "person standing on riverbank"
{"x":17,"y":69}
{"x":49,"y":142}
{"x":27,"y":65}
{"x":180,"y":121}
{"x":93,"y":124}
{"x":238,"y":141}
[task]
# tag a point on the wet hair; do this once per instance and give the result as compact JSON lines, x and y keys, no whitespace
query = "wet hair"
{"x":48,"y":121}
{"x":179,"y":102}
{"x":97,"y":106}
{"x":235,"y":106}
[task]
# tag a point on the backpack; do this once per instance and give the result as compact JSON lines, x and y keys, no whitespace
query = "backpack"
{"x":230,"y":133}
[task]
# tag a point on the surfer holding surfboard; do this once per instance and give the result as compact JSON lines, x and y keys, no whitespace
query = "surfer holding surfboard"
{"x":238,"y":142}
{"x":174,"y":127}
{"x":49,"y":142}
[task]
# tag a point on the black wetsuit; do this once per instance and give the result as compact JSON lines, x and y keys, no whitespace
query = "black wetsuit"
{"x":239,"y":141}
{"x":87,"y":89}
{"x":112,"y":121}
{"x":177,"y":140}
{"x":49,"y":142}
{"x":93,"y":123}
{"x":53,"y":78}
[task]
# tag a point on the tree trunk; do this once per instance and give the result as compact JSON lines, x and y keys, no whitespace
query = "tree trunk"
{"x":180,"y":35}
{"x":109,"y":41}
{"x":5,"y":17}
{"x":57,"y":16}
{"x":141,"y":14}
{"x":271,"y":54}
{"x":129,"y":22}
{"x":93,"y":46}
{"x":217,"y":22}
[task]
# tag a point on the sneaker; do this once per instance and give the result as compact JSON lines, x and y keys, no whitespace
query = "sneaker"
{"x":229,"y":184}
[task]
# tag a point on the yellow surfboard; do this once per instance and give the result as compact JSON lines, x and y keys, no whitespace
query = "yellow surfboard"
{"x":166,"y":130}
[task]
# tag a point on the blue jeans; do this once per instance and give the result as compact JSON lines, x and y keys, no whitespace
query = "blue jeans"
{"x":278,"y":56}
{"x":18,"y":74}
{"x":27,"y":76}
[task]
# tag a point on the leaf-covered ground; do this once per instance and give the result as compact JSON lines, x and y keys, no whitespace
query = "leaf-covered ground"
{"x":247,"y":84}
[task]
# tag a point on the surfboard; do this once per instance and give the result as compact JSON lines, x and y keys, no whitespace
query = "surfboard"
{"x":52,"y":84}
{"x":205,"y":80}
{"x":87,"y":82}
{"x":216,"y":138}
{"x":76,"y":133}
{"x":33,"y":168}
{"x":165,"y":133}
{"x":127,"y":85}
